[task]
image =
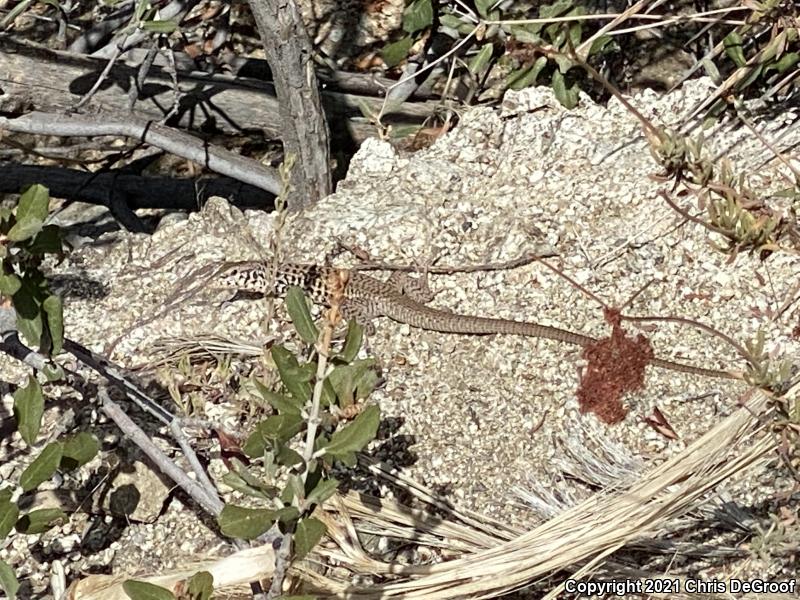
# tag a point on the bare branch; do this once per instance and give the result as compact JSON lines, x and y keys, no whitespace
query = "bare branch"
{"x":37,"y":78}
{"x":112,"y":60}
{"x":89,"y":40}
{"x":126,"y":39}
{"x":165,"y":464}
{"x":176,"y":142}
{"x":305,"y":131}
{"x":203,"y":492}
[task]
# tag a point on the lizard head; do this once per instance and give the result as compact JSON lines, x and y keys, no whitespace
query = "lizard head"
{"x":245,"y":277}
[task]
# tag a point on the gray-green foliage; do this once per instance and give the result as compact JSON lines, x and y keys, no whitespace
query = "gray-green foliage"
{"x":289,"y":485}
{"x":25,"y":240}
{"x":763,"y":52}
{"x":502,"y":54}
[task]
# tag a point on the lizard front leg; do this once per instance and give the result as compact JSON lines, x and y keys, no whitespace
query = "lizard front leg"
{"x":416,"y":288}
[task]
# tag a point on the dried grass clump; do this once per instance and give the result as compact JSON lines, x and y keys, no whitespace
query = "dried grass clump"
{"x":470,"y":556}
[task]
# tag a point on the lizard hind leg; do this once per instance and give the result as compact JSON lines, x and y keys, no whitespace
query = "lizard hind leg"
{"x":360,"y":313}
{"x":416,"y":288}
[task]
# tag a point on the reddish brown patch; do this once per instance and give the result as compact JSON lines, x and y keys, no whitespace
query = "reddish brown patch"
{"x":229,"y":448}
{"x":616,"y":365}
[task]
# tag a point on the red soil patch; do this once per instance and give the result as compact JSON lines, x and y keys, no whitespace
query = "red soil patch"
{"x":616,"y":366}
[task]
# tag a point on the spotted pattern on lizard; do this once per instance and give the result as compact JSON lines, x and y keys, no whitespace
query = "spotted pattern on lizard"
{"x":365,"y":298}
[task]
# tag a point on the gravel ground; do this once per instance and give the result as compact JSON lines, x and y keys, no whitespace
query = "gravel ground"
{"x":483,"y":414}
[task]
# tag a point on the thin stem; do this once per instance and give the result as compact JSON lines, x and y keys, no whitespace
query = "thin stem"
{"x":684,"y":321}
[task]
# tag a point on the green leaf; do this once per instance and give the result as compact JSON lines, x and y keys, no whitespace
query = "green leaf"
{"x":6,"y":215}
{"x":575,"y":33}
{"x":287,"y":495}
{"x":323,"y":490}
{"x":564,"y":63}
{"x":328,"y":397}
{"x":200,"y":586}
{"x":292,"y":377}
{"x":484,"y":6}
{"x":348,"y":459}
{"x":9,"y":513}
{"x":28,"y":304}
{"x":277,"y":428}
{"x":287,"y":514}
{"x":9,"y":284}
{"x":288,"y":457}
{"x":304,"y":373}
{"x":52,"y":371}
{"x":345,"y":378}
{"x":342,"y":381}
{"x":354,"y":436}
{"x":555,"y":9}
{"x":54,"y":312}
{"x":31,"y":213}
{"x":240,"y":484}
{"x":299,"y":312}
{"x":307,"y":535}
{"x":79,"y":449}
{"x":352,"y":341}
{"x":733,"y":48}
{"x":599,"y":44}
{"x":786,"y":62}
{"x":245,"y":523}
{"x":417,"y":15}
{"x":23,"y":230}
{"x":39,"y":521}
{"x":366,"y":383}
{"x":47,"y":241}
{"x":711,"y":70}
{"x":6,"y":493}
{"x":527,"y":34}
{"x":8,"y":581}
{"x":395,"y":53}
{"x":165,"y":26}
{"x":42,"y":468}
{"x":141,"y":590}
{"x":568,"y":97}
{"x":450,"y":21}
{"x":143,"y":8}
{"x":255,"y":446}
{"x":526,"y":76}
{"x":31,"y":328}
{"x":281,"y":403}
{"x":478,"y":63}
{"x":28,"y":410}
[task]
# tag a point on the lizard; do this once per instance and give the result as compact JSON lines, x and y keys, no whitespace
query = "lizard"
{"x":364,"y":297}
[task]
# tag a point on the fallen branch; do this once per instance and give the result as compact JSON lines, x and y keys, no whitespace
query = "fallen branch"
{"x":171,"y":140}
{"x":34,"y":77}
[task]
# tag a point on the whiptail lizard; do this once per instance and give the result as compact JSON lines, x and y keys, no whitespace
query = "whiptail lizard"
{"x":364,"y":298}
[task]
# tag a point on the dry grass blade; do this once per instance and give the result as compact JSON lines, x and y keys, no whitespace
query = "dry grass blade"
{"x":591,"y":530}
{"x":580,"y":540}
{"x":170,"y":351}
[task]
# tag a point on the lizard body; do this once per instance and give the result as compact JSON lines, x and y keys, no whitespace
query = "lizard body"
{"x":365,"y":297}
